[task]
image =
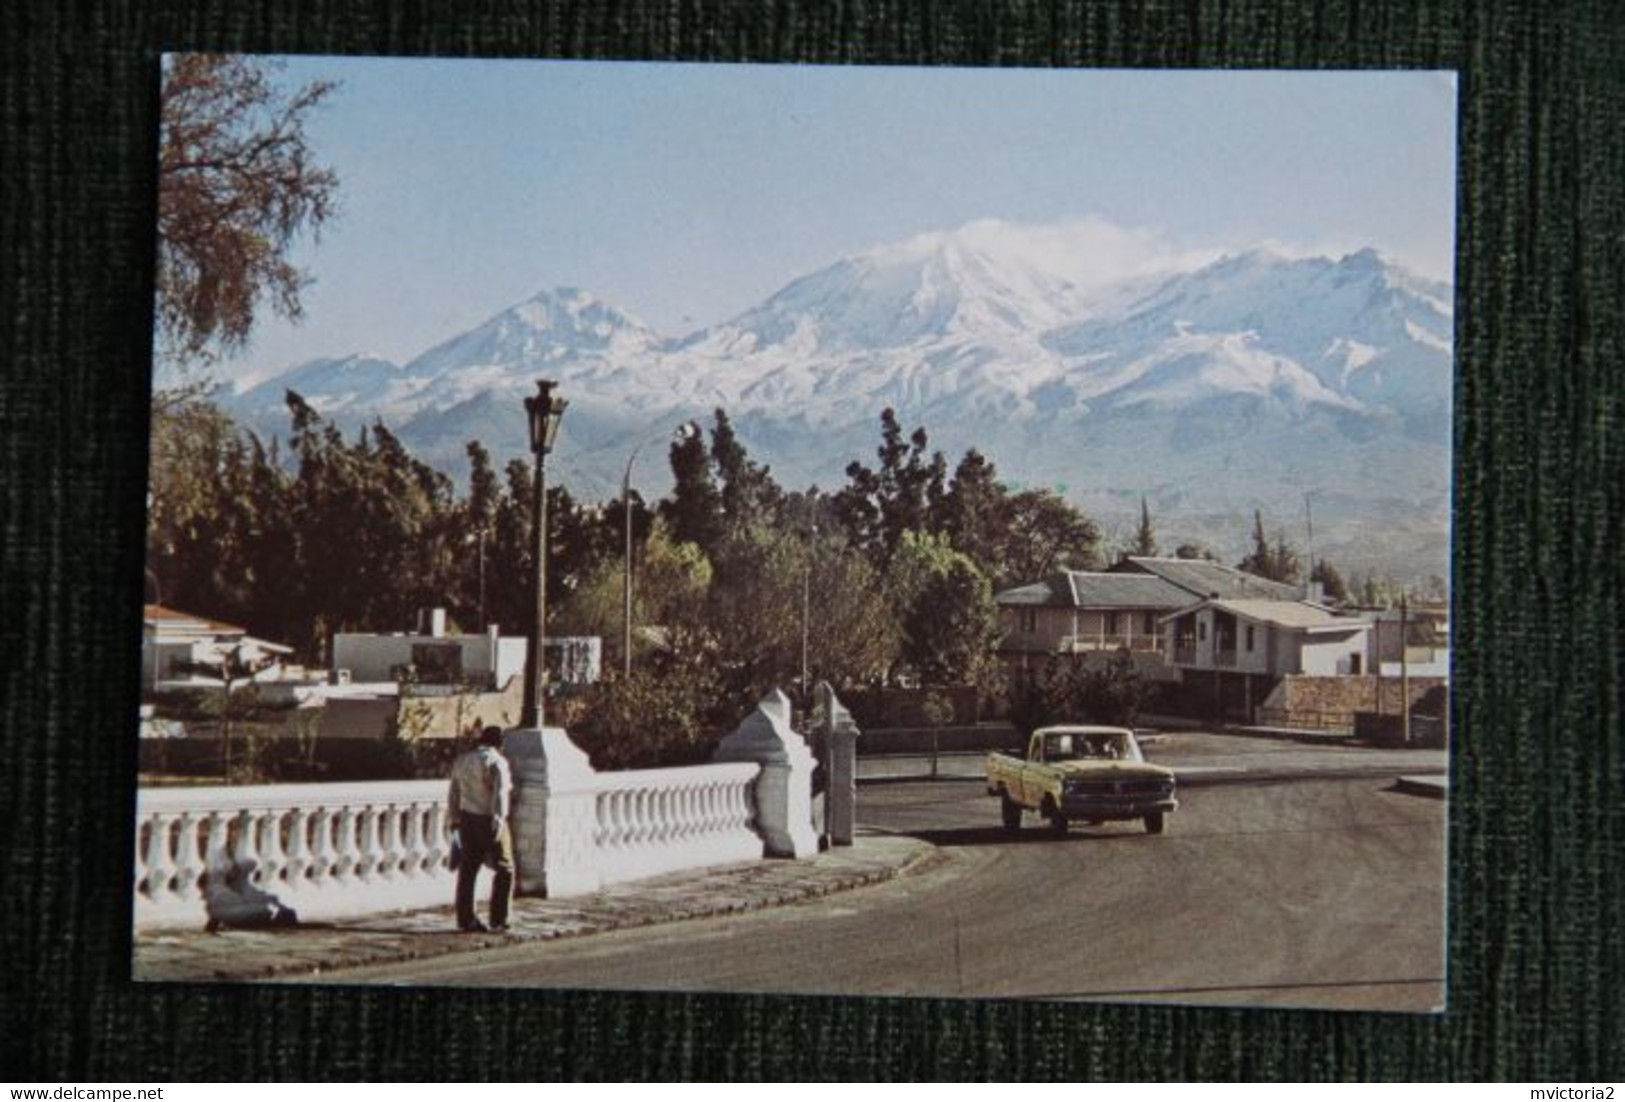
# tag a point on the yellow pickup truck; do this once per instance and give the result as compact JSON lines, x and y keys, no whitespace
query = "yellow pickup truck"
{"x":1094,"y":774}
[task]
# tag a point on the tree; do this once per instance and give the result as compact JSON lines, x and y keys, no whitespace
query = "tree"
{"x":945,"y":606}
{"x":906,"y":494}
{"x":1278,"y":561}
{"x":974,"y":512}
{"x":238,"y":182}
{"x":1145,"y":539}
{"x":1194,"y":550}
{"x":694,"y":510}
{"x":673,"y":580}
{"x":746,"y":490}
{"x":1331,"y":582}
{"x":1045,"y":533}
{"x":758,"y":600}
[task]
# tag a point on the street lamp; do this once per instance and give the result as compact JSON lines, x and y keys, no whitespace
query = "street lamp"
{"x":544,"y":411}
{"x":686,"y":431}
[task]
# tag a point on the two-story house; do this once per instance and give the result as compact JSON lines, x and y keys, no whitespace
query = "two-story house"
{"x":1239,"y":649}
{"x":1079,"y":612}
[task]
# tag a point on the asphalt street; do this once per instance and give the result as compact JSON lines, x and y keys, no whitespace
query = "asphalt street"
{"x":1324,"y":893}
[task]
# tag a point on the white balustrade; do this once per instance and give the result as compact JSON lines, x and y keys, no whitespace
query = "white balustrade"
{"x":252,"y":854}
{"x":323,"y":851}
{"x":651,"y":821}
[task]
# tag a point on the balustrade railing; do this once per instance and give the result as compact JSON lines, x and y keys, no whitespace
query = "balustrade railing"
{"x":323,"y":851}
{"x":246,"y":855}
{"x":650,"y":821}
{"x":1097,"y":642}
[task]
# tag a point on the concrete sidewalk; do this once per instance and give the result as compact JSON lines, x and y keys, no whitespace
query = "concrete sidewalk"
{"x":292,"y":952}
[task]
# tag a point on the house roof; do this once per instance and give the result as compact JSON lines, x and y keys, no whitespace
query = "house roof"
{"x":1204,"y":578}
{"x":1083,"y":589}
{"x":168,"y":619}
{"x":1289,"y":614}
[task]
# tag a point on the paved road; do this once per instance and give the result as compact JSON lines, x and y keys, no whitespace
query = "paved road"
{"x":1313,"y":893}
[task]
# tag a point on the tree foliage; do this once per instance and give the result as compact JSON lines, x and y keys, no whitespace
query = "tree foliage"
{"x":945,"y":607}
{"x":1145,"y":537}
{"x":1079,"y":690}
{"x":1331,"y":581}
{"x":1276,"y":561}
{"x":238,"y":182}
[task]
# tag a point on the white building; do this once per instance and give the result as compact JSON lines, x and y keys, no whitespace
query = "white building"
{"x":434,"y":657}
{"x":183,"y":651}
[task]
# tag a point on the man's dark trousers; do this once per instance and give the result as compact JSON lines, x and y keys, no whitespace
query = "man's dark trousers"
{"x":482,"y":846}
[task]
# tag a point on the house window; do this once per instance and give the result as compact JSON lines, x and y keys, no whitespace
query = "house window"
{"x":1354,"y":664}
{"x":1249,"y":637}
{"x":1111,"y":623}
{"x":1201,"y":629}
{"x":1151,"y":623}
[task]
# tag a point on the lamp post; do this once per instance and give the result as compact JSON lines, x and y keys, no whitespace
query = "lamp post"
{"x":686,"y":431}
{"x":544,"y":411}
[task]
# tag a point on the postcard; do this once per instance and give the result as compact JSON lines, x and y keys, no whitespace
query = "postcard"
{"x":831,"y":530}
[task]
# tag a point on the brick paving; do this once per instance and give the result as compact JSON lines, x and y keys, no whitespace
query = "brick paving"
{"x":308,"y":949}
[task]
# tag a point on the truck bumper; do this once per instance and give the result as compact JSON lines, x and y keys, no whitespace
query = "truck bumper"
{"x":1108,"y":810}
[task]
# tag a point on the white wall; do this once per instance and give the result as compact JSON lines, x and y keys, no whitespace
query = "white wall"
{"x":371,"y":657}
{"x":1329,"y":655}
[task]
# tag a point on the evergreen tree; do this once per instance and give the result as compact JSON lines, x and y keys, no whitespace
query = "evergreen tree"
{"x":974,"y":512}
{"x":746,"y":491}
{"x":1331,"y":582}
{"x":906,"y":493}
{"x":1145,"y":539}
{"x":1278,"y":561}
{"x":694,"y":509}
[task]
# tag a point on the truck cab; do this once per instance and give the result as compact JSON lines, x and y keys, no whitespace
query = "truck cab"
{"x":1094,"y":774}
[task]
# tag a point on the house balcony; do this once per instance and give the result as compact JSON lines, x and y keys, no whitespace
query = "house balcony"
{"x":1185,"y":655}
{"x":1224,"y":659}
{"x":1078,"y":644}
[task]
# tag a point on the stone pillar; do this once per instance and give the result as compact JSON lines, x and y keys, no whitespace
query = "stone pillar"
{"x":784,"y":789}
{"x":554,"y":815}
{"x":840,"y":736}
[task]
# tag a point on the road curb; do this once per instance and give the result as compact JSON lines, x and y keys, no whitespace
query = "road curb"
{"x":1220,"y":776}
{"x":311,"y":950}
{"x":1432,"y":787}
{"x":1205,"y":776}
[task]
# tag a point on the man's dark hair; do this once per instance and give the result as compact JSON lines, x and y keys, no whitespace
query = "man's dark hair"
{"x":491,"y":736}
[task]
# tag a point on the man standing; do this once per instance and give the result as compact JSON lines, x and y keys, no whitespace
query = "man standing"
{"x":480,"y":788}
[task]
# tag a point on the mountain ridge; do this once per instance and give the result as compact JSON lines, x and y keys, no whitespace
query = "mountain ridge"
{"x":1225,"y":381}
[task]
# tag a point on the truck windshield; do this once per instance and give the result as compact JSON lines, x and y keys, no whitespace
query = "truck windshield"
{"x":1076,"y":747}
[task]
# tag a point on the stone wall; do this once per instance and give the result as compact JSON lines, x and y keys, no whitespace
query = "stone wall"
{"x":1330,"y":703}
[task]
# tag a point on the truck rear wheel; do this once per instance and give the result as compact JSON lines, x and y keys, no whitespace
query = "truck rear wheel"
{"x":1153,"y":823}
{"x":1010,"y":811}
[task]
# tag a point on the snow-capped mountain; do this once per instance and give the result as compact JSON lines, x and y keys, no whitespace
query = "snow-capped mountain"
{"x":1076,"y":359}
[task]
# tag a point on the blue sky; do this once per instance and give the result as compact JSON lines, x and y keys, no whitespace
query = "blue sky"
{"x":688,"y":193}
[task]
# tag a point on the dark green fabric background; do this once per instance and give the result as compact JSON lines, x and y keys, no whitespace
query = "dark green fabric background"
{"x":1537,"y":894}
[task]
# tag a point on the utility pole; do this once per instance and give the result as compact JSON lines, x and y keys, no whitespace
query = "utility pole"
{"x":1309,"y":521}
{"x":1404,"y":667}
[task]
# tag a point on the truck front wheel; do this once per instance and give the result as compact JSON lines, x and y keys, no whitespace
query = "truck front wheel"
{"x":1057,"y":822}
{"x":1153,"y":823}
{"x":1010,"y":811}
